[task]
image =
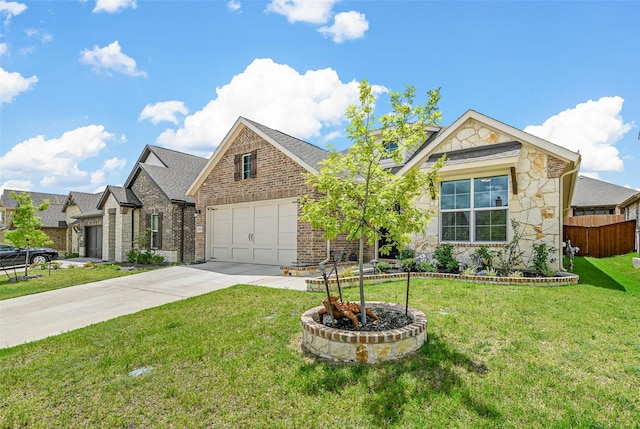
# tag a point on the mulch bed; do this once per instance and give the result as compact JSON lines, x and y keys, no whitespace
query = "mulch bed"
{"x":387,"y":319}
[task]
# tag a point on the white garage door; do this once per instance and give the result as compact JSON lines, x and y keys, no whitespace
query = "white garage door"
{"x":264,"y":232}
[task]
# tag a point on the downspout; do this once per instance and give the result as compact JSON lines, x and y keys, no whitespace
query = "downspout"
{"x":562,"y":176}
{"x":133,"y":224}
{"x":182,"y":207}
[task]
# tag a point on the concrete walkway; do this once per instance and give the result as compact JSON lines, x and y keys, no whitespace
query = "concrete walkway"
{"x":41,"y":315}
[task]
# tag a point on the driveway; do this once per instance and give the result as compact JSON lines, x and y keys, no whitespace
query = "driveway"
{"x":41,"y":315}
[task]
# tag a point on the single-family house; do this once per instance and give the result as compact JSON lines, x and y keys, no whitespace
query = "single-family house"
{"x":84,"y":221}
{"x":153,"y":197}
{"x":52,"y":219}
{"x":602,"y":203}
{"x":247,"y":194}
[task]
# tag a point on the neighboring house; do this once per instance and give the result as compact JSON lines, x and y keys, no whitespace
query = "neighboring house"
{"x":248,"y":192}
{"x":599,"y":203}
{"x":53,"y":220}
{"x":84,"y":220}
{"x":154,"y":197}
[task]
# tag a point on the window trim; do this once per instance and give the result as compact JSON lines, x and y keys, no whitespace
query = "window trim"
{"x":472,"y":210}
{"x":154,"y":232}
{"x":246,"y":166}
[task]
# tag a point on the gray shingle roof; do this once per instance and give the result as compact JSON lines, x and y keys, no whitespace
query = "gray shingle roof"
{"x":597,"y":193}
{"x":180,"y":171}
{"x":53,"y":217}
{"x":307,"y":152}
{"x":123,"y":196}
{"x":86,"y":202}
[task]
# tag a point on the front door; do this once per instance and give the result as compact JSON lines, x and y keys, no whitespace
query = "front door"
{"x":94,"y":241}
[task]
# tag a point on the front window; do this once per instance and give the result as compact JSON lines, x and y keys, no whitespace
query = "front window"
{"x":246,"y":166}
{"x":154,"y":230}
{"x":475,"y":210}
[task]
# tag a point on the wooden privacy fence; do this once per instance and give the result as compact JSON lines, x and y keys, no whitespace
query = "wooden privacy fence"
{"x":603,"y":241}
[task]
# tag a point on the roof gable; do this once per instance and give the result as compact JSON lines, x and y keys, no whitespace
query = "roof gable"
{"x":305,"y":154}
{"x":123,"y":196}
{"x":87,"y":203}
{"x":508,"y":132}
{"x":170,"y":170}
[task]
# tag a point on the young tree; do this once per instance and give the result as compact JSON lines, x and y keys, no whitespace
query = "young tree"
{"x":27,"y":233}
{"x":361,"y":198}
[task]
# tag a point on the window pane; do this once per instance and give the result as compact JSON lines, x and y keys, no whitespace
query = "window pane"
{"x":463,"y":201}
{"x":447,"y":202}
{"x":491,"y":192}
{"x":491,"y":225}
{"x":246,"y":166}
{"x":455,"y":226}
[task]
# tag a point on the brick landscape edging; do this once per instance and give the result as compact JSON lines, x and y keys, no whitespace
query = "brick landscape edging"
{"x":317,"y":285}
{"x":359,"y":346}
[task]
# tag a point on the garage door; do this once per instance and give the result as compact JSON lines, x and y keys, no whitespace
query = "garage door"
{"x":263,"y":233}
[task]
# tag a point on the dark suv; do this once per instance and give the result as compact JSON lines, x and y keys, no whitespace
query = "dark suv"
{"x":10,"y":255}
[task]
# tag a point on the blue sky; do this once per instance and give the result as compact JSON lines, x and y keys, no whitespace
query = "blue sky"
{"x":85,"y":85}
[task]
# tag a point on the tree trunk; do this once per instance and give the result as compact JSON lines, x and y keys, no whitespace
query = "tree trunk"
{"x":363,"y":313}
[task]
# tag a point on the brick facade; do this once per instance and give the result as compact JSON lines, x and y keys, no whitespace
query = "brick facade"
{"x":177,"y":242}
{"x":278,"y":176}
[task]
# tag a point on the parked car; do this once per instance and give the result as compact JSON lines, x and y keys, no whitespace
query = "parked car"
{"x":10,"y":255}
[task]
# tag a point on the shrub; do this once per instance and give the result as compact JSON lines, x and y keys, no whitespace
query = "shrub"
{"x":383,"y":267}
{"x":407,"y":264}
{"x":510,"y":255}
{"x":446,"y":261}
{"x":156,"y":259}
{"x":348,"y":272}
{"x":483,"y":257}
{"x":542,"y":259}
{"x":426,"y":267}
{"x":132,"y":255}
{"x":69,"y":255}
{"x":47,"y":265}
{"x":469,"y":271}
{"x":407,"y":253}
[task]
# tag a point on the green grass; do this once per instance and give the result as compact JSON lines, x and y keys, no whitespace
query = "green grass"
{"x":497,"y":356}
{"x":60,"y":278}
{"x":616,"y":272}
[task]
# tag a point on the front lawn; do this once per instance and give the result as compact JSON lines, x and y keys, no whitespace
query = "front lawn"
{"x":497,"y":356}
{"x":60,"y":278}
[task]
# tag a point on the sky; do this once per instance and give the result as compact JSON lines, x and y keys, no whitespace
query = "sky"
{"x":85,"y":85}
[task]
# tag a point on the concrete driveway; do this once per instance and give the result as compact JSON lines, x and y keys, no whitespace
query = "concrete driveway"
{"x":41,"y":315}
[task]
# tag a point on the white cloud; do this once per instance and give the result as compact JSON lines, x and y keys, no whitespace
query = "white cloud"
{"x":44,"y":37}
{"x":346,"y":26}
{"x":12,"y":84}
{"x":163,"y":111}
{"x":233,"y":5}
{"x":110,"y":59}
{"x":3,"y":49}
{"x":58,"y":159}
{"x":591,"y":128}
{"x":10,"y":9}
{"x":272,"y":94}
{"x":16,"y":185}
{"x":310,"y":11}
{"x":113,"y":6}
{"x":100,"y":176}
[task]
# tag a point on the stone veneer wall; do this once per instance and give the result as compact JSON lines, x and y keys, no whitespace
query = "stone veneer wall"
{"x":536,"y":205}
{"x":278,"y":176}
